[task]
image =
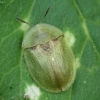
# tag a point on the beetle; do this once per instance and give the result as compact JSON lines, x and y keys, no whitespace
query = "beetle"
{"x":49,"y":59}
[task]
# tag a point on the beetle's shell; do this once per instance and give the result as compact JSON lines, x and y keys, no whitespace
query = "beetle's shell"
{"x":49,"y":59}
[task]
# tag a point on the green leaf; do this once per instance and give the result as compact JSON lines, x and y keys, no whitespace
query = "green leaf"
{"x":80,"y":22}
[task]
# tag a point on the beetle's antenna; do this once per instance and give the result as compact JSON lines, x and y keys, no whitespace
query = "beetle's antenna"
{"x":46,"y":13}
{"x":23,"y":21}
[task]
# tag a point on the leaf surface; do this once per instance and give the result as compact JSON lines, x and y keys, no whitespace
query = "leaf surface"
{"x":80,"y":22}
